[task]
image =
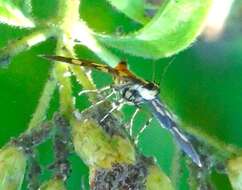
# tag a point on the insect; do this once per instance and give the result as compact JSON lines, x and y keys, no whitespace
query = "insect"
{"x":135,"y":90}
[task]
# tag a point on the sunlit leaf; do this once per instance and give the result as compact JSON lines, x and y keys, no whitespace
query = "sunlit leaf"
{"x":133,"y":9}
{"x":175,"y":27}
{"x":10,"y":14}
{"x":24,"y":5}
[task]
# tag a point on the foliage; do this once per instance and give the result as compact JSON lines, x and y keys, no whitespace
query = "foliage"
{"x":108,"y":32}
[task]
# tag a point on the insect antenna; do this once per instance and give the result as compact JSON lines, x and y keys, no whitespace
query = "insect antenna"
{"x":153,"y":79}
{"x":103,"y":100}
{"x":98,"y":91}
{"x":131,"y":123}
{"x":166,"y":69}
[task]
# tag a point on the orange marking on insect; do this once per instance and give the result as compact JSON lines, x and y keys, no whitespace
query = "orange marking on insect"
{"x":122,"y":70}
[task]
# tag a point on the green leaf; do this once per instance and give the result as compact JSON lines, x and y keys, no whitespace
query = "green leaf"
{"x":24,"y":5}
{"x":10,"y":14}
{"x":175,"y":27}
{"x":134,"y":9}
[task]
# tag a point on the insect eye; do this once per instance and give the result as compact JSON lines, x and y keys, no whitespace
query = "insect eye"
{"x":151,"y":86}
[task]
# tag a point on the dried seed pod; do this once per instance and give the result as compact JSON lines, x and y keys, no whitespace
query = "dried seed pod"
{"x":120,"y":176}
{"x":62,"y":147}
{"x":33,"y":173}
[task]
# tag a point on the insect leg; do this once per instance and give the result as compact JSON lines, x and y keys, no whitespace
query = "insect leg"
{"x":116,"y":106}
{"x":147,"y":123}
{"x":132,"y":121}
{"x":103,"y":100}
{"x":95,"y":90}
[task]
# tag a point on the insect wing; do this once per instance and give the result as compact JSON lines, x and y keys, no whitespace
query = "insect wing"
{"x":164,"y":118}
{"x":81,"y":62}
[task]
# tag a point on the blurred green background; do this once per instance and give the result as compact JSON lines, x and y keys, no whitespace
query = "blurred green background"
{"x":201,"y":85}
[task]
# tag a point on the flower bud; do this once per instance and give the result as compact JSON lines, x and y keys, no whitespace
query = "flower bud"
{"x":235,"y":172}
{"x":54,"y":184}
{"x":12,"y":168}
{"x":156,"y":179}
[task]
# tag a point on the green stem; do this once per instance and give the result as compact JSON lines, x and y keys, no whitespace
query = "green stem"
{"x":11,"y":14}
{"x":65,"y":89}
{"x":69,"y":19}
{"x":223,"y":148}
{"x":192,"y":179}
{"x":81,"y":76}
{"x":76,"y":29}
{"x":175,"y":168}
{"x":44,"y":101}
{"x":85,"y":36}
{"x":27,"y":42}
{"x":67,"y":15}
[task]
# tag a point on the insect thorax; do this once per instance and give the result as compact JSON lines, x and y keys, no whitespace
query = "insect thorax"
{"x":136,"y":93}
{"x":131,"y":95}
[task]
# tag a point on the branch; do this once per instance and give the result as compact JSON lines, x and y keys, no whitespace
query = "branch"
{"x":110,"y":155}
{"x":17,"y":46}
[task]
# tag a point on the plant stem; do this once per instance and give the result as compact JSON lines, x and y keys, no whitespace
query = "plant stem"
{"x":76,"y":30}
{"x":44,"y":101}
{"x":27,"y":42}
{"x":85,"y":36}
{"x":175,"y":168}
{"x":65,"y":89}
{"x":223,"y":148}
